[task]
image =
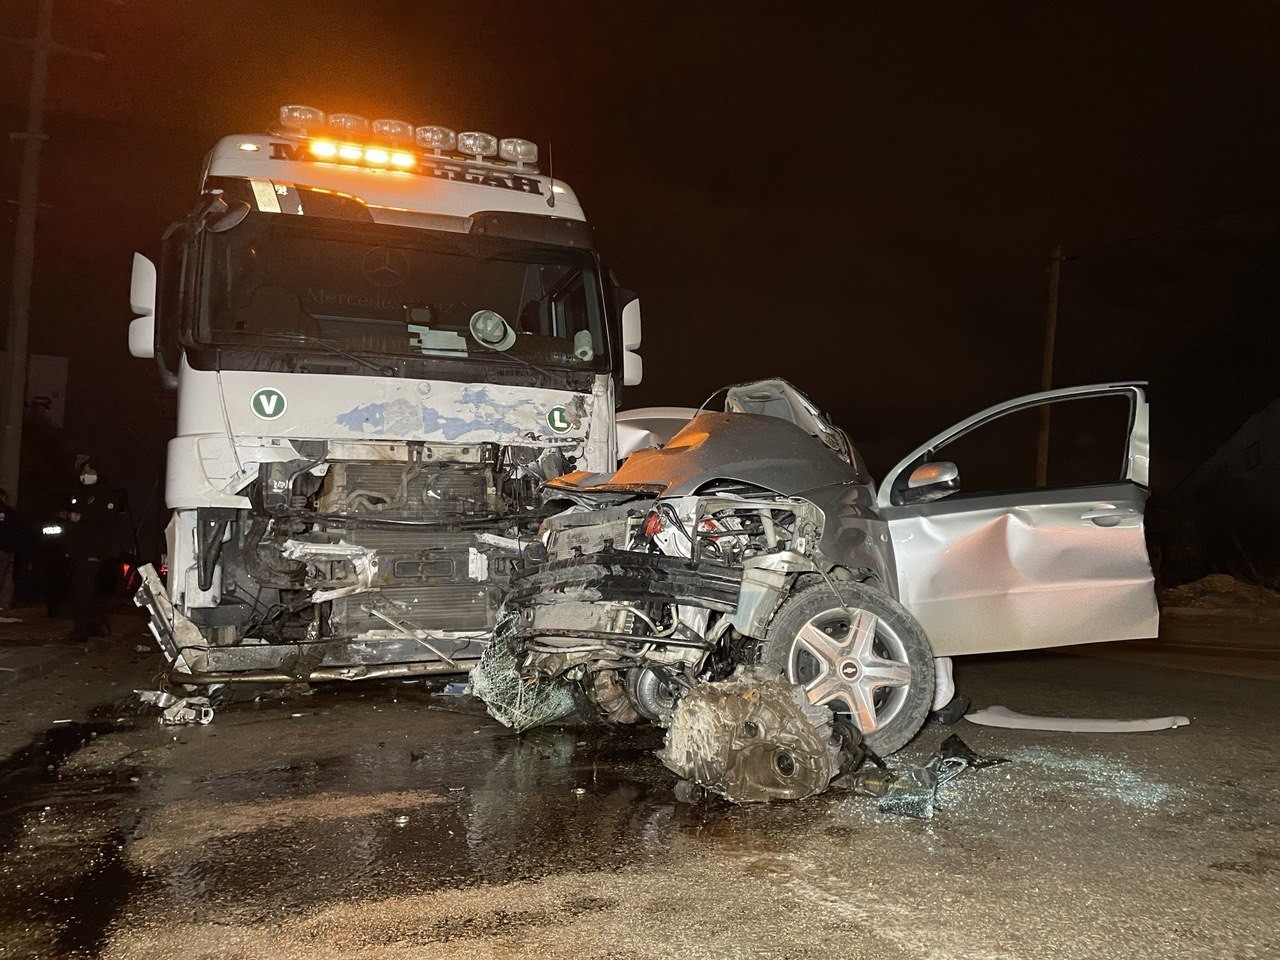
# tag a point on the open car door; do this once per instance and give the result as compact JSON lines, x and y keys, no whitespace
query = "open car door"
{"x":1024,"y":567}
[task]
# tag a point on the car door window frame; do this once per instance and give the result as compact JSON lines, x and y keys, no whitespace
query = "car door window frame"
{"x":1137,"y":446}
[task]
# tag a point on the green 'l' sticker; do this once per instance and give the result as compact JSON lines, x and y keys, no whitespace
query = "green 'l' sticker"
{"x":558,"y":419}
{"x":268,"y":403}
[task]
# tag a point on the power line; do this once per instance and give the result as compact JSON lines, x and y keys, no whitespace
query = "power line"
{"x":1178,"y":226}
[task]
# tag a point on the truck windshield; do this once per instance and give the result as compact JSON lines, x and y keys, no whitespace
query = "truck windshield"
{"x":396,"y":291}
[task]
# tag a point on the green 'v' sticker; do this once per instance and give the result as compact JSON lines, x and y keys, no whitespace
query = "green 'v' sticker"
{"x":267,"y":404}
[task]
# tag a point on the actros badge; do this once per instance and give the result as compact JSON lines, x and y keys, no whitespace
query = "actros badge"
{"x":267,"y":404}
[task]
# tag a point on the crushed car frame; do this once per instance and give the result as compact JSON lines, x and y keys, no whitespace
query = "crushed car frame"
{"x":756,"y":536}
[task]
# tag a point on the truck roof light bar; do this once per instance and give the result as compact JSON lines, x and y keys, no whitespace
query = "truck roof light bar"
{"x":394,"y":132}
{"x":477,"y":144}
{"x":339,"y":136}
{"x":348,"y":124}
{"x":518,"y":151}
{"x":436,"y":138}
{"x":297,"y":118}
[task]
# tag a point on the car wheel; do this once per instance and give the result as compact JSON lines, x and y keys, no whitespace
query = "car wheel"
{"x":860,"y":653}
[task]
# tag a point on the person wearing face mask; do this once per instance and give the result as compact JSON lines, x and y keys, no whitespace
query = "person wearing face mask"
{"x":92,"y":516}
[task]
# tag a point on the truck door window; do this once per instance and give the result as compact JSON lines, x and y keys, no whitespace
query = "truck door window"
{"x":570,"y":310}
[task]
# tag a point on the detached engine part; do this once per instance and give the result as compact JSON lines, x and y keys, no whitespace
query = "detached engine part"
{"x":755,"y":738}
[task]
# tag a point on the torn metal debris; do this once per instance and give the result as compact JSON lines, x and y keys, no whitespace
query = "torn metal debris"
{"x":954,"y":749}
{"x":913,"y":791}
{"x":178,"y":710}
{"x":157,"y":698}
{"x":363,"y":561}
{"x":756,"y":738}
{"x":188,"y":710}
{"x":909,"y":793}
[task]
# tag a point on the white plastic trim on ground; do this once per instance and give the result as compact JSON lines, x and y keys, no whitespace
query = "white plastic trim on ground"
{"x":1004,"y":717}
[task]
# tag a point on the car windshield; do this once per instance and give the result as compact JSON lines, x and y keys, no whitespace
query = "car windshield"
{"x":284,"y":281}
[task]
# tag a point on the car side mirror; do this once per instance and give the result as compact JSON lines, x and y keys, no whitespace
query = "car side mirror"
{"x":931,"y":481}
{"x":142,"y":301}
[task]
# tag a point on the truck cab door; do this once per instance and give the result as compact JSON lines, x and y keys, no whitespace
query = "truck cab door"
{"x":1021,"y":566}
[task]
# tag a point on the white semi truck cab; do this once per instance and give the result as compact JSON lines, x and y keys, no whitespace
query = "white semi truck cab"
{"x":383,"y":337}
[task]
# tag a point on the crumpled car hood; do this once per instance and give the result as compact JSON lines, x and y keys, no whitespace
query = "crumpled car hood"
{"x":765,"y":451}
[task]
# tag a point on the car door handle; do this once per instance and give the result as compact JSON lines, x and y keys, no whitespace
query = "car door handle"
{"x":1109,"y":517}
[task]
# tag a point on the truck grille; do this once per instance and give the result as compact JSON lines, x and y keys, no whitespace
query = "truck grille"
{"x":446,"y":606}
{"x":427,"y":578}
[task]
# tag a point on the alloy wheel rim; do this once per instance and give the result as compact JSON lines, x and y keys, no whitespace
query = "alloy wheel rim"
{"x":853,"y":662}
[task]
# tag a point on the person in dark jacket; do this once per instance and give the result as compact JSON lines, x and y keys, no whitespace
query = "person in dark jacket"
{"x":92,"y":516}
{"x":10,"y":535}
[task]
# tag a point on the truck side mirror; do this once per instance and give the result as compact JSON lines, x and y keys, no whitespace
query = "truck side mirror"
{"x":142,"y":300}
{"x":631,"y":326}
{"x":632,"y":365}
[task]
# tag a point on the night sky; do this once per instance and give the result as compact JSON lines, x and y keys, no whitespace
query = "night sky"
{"x":859,"y":201}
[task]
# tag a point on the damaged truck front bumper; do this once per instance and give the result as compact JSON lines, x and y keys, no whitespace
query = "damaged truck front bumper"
{"x":399,"y":651}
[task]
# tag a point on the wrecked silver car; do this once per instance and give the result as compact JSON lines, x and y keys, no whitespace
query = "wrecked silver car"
{"x":756,"y":537}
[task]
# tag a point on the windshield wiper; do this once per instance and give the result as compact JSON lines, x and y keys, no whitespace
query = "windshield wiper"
{"x":511,"y":356}
{"x":306,"y":338}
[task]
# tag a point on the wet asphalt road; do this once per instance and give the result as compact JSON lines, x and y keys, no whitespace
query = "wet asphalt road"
{"x":388,"y":821}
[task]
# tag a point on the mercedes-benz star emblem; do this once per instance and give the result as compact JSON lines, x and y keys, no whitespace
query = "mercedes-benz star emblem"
{"x":385,"y":266}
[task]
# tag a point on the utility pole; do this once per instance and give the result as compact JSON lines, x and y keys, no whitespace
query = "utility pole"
{"x":24,"y":241}
{"x":1046,"y":366}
